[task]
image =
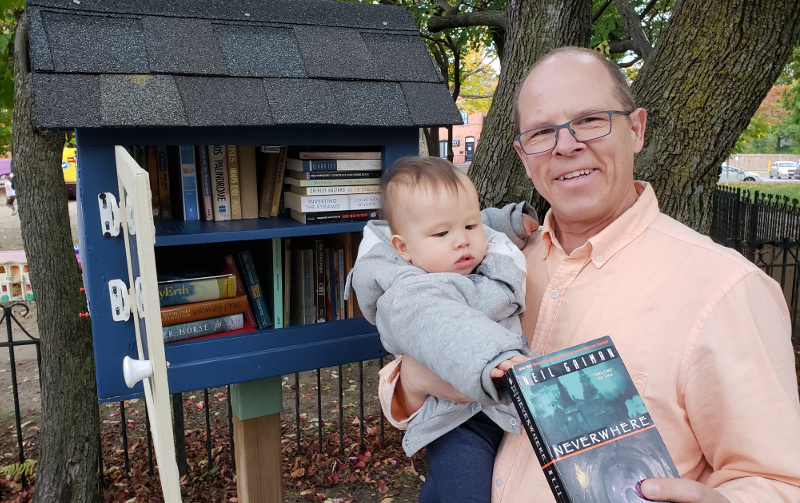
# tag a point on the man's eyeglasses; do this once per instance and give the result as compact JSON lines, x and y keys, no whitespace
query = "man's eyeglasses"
{"x":585,"y":128}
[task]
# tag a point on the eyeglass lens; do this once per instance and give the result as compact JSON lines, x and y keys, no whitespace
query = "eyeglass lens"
{"x":584,"y":128}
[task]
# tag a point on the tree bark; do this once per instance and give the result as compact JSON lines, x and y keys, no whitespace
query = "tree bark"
{"x":67,"y":470}
{"x":534,"y":28}
{"x":633,"y":25}
{"x":711,"y":68}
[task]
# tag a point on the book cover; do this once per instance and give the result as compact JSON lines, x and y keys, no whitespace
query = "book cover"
{"x":195,"y":288}
{"x":248,"y":181}
{"x":320,"y":261}
{"x":218,"y":165}
{"x":182,"y":313}
{"x":333,"y":216}
{"x":277,"y":283}
{"x":199,"y":328}
{"x":340,"y":202}
{"x":191,"y":206}
{"x":329,"y":183}
{"x":333,"y":175}
{"x":230,"y":268}
{"x":335,"y":190}
{"x":590,"y":430}
{"x":312,"y":165}
{"x":339,"y":155}
{"x":164,"y":202}
{"x":269,"y":158}
{"x":279,"y":176}
{"x":233,"y":181}
{"x":253,"y":287}
{"x":205,"y":182}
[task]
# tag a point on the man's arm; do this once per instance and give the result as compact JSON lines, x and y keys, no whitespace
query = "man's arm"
{"x":515,"y":220}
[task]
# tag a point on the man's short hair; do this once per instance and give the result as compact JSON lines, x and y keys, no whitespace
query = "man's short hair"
{"x":412,"y":172}
{"x":621,"y":86}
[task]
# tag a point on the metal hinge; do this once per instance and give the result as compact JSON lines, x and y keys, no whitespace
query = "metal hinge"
{"x":118,"y":295}
{"x":109,"y":214}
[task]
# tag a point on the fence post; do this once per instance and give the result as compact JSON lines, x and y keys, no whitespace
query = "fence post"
{"x":752,"y":229}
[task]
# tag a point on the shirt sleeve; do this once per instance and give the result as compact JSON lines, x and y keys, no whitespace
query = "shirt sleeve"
{"x":742,"y":397}
{"x":508,"y":220}
{"x":387,"y":383}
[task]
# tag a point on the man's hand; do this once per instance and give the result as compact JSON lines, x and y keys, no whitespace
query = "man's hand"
{"x":680,"y":491}
{"x":503,"y":366}
{"x":529,"y":223}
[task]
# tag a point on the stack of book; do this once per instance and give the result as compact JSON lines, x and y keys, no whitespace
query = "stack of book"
{"x":333,"y":186}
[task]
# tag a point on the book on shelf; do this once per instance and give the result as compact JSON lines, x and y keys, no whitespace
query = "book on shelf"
{"x":164,"y":201}
{"x":287,"y":285}
{"x":182,"y":313}
{"x":339,"y":202}
{"x":267,"y":165}
{"x":141,"y":153}
{"x":195,"y":287}
{"x":248,"y":181}
{"x":231,"y":268}
{"x":218,"y":164}
{"x":296,"y":182}
{"x":277,"y":189}
{"x":204,"y":175}
{"x":324,"y":217}
{"x":372,"y":154}
{"x":335,"y":190}
{"x":344,"y":176}
{"x":188,"y":178}
{"x":233,"y":181}
{"x":314,"y":165}
{"x":590,"y":429}
{"x":200,"y":328}
{"x":353,"y":311}
{"x":319,"y":279}
{"x":303,"y":289}
{"x":253,"y":287}
{"x":277,"y":282}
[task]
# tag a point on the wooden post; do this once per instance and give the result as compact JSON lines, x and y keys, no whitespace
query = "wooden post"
{"x":257,"y":440}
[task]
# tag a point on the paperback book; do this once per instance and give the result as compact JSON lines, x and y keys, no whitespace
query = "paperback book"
{"x":182,"y":313}
{"x":339,"y":155}
{"x":185,"y":289}
{"x":335,"y":189}
{"x":200,"y":328}
{"x":590,"y":430}
{"x":308,"y":165}
{"x":329,"y":183}
{"x":333,"y":216}
{"x":340,"y":202}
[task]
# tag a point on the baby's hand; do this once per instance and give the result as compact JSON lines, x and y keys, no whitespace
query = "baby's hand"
{"x":501,"y":369}
{"x":529,"y":223}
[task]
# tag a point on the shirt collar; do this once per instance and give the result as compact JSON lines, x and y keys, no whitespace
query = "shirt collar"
{"x":618,"y":234}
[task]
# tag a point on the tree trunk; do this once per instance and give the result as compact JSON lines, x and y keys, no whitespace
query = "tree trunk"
{"x":711,"y":68}
{"x":533,"y":28}
{"x":67,"y":470}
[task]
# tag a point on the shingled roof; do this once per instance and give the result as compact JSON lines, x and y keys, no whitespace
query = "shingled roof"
{"x":122,"y":63}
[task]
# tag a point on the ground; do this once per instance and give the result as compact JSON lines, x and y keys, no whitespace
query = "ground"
{"x":374,"y":473}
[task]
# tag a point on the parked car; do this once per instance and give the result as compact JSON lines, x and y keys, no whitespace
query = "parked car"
{"x":782,"y":169}
{"x":730,"y":174}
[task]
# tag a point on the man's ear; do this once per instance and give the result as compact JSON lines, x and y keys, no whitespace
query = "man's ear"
{"x":399,"y":244}
{"x":638,"y":124}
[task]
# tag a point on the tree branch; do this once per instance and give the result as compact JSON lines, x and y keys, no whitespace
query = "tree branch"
{"x":633,"y":24}
{"x":486,"y":18}
{"x":448,"y":9}
{"x":599,"y":12}
{"x":647,"y":9}
{"x":621,"y":46}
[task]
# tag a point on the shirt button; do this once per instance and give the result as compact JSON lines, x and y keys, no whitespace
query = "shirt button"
{"x":513,"y":422}
{"x":554,"y":294}
{"x":498,"y":482}
{"x":599,"y":258}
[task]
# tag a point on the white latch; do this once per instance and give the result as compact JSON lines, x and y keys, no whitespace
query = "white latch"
{"x":129,"y":211}
{"x":109,"y":214}
{"x":118,"y":295}
{"x":137,"y":287}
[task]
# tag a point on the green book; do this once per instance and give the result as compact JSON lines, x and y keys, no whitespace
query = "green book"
{"x":277,"y":283}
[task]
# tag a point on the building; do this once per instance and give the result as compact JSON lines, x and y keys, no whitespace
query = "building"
{"x":465,"y":137}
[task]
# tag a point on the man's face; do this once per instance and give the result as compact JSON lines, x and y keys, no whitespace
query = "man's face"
{"x":588,"y":184}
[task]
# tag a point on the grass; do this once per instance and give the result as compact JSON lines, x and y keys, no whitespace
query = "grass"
{"x":779,"y":189}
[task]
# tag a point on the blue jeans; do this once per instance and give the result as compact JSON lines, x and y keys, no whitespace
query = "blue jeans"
{"x":461,"y":463}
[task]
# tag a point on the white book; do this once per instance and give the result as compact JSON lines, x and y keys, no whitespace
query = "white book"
{"x":336,"y":189}
{"x":220,"y":187}
{"x":339,"y":155}
{"x":330,"y":183}
{"x":308,"y":165}
{"x":311,"y":204}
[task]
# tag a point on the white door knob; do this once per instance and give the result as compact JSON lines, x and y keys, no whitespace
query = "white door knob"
{"x":134,"y":371}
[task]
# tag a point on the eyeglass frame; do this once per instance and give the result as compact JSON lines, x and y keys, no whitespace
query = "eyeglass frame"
{"x":559,"y":127}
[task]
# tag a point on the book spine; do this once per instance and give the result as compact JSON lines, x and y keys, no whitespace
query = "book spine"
{"x":230,"y":268}
{"x":333,"y":175}
{"x":233,"y":181}
{"x":205,"y":180}
{"x":248,"y":181}
{"x":191,"y":210}
{"x":331,"y":290}
{"x":329,"y":183}
{"x":172,"y":315}
{"x":279,"y":175}
{"x":335,"y":190}
{"x":199,"y":328}
{"x":217,"y":161}
{"x":163,"y":182}
{"x":268,"y":180}
{"x":253,"y":287}
{"x":152,"y":171}
{"x":333,"y":216}
{"x":309,"y":287}
{"x":196,"y":290}
{"x":319,"y":279}
{"x":327,"y":165}
{"x":340,"y":281}
{"x":539,"y":447}
{"x":307,"y":204}
{"x":340,"y":155}
{"x":277,"y":283}
{"x":287,"y":284}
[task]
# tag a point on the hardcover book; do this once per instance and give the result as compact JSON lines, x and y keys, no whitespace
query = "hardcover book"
{"x":345,"y":176}
{"x":253,"y":287}
{"x":333,"y":164}
{"x":335,"y":189}
{"x":339,"y":155}
{"x":248,"y":181}
{"x":164,"y":201}
{"x":279,"y":176}
{"x":205,"y":182}
{"x":182,"y":313}
{"x":324,"y":217}
{"x":340,"y":202}
{"x":184,"y":289}
{"x":200,"y":328}
{"x":590,"y":430}
{"x":218,"y":164}
{"x":268,"y":158}
{"x":191,"y":207}
{"x":233,"y":182}
{"x":328,"y":183}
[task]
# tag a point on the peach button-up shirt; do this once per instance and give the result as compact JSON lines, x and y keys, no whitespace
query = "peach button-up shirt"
{"x":704,"y":334}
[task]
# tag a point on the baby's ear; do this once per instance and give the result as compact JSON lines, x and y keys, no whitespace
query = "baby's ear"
{"x":399,"y":244}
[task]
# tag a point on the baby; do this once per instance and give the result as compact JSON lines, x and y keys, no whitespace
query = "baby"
{"x":447,"y":291}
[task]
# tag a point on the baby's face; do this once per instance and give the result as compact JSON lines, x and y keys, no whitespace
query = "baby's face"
{"x":439,"y":230}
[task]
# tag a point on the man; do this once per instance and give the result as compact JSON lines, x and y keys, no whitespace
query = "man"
{"x":704,"y":333}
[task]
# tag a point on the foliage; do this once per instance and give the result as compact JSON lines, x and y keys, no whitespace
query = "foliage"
{"x":10,"y":11}
{"x":27,"y":468}
{"x":776,"y":121}
{"x":479,"y":79}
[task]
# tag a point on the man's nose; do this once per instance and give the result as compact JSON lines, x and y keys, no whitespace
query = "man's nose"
{"x":566,"y":142}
